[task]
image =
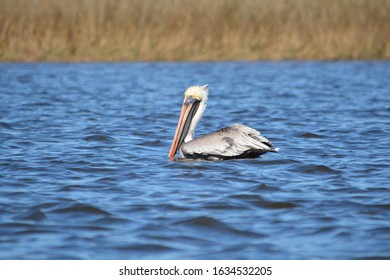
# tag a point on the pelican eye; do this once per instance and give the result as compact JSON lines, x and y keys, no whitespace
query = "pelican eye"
{"x":191,"y":100}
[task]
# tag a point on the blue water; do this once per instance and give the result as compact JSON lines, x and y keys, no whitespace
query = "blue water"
{"x":84,"y":172}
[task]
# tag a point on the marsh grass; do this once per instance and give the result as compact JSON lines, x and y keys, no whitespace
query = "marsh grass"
{"x":112,"y":30}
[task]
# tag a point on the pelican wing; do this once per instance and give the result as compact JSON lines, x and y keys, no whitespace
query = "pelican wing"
{"x":234,"y":141}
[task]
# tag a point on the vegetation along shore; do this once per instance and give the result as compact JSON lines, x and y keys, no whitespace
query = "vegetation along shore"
{"x":176,"y":30}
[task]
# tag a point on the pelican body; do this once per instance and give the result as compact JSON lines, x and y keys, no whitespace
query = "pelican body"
{"x":235,"y":141}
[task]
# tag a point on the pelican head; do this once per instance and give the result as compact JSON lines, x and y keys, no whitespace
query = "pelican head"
{"x":194,"y":104}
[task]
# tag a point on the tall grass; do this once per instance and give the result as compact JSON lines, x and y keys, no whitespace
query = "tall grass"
{"x":87,"y":30}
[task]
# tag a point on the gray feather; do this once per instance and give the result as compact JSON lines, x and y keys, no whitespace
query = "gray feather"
{"x":231,"y":141}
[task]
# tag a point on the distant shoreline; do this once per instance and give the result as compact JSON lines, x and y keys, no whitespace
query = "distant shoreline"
{"x":198,"y":31}
{"x":195,"y":61}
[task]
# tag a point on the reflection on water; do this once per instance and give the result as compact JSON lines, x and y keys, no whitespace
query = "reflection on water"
{"x":84,"y":170}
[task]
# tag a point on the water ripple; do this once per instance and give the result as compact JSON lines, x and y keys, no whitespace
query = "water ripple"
{"x":99,"y":138}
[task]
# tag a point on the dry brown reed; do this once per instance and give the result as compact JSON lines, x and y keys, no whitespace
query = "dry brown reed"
{"x":112,"y":30}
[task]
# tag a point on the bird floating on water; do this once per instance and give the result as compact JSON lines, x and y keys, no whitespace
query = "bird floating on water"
{"x":233,"y":142}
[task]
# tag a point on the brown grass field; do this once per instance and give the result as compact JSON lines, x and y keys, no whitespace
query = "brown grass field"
{"x":175,"y":30}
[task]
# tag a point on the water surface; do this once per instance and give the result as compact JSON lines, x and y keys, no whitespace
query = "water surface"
{"x":84,"y":172}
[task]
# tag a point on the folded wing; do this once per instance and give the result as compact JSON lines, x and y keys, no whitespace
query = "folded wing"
{"x":235,"y":141}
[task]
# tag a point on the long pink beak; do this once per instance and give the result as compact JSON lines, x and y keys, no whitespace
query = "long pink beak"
{"x":179,"y":138}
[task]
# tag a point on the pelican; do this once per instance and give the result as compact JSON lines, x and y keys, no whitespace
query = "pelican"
{"x":235,"y":141}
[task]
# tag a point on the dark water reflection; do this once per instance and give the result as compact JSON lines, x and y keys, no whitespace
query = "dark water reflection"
{"x":85,"y":174}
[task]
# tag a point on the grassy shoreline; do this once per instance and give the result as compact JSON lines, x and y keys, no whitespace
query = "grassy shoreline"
{"x":184,"y":30}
